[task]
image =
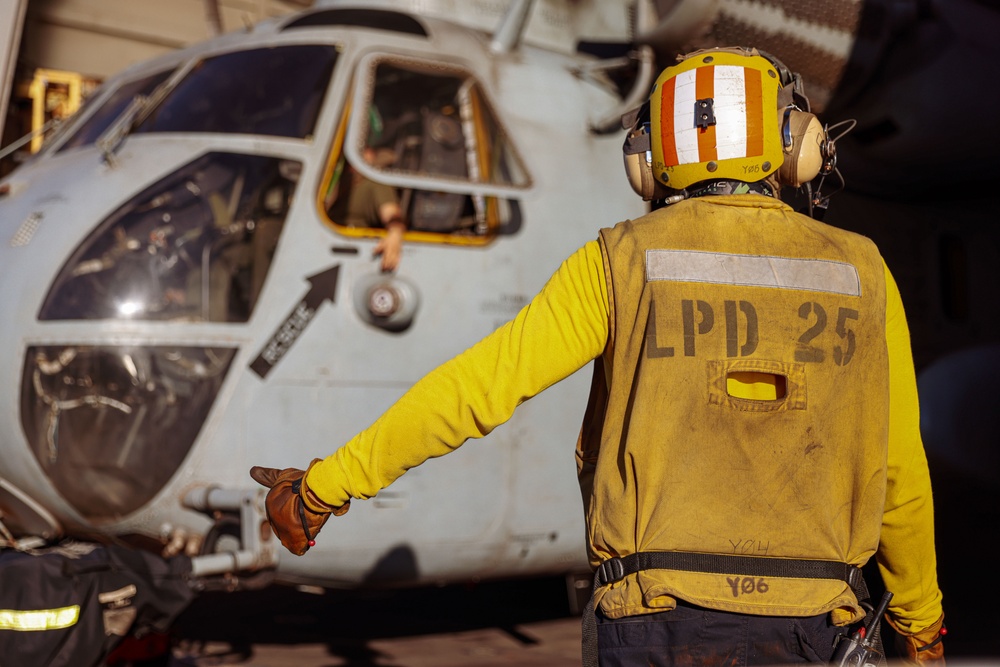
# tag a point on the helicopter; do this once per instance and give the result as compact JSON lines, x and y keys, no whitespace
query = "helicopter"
{"x":182,"y":302}
{"x":209,"y":312}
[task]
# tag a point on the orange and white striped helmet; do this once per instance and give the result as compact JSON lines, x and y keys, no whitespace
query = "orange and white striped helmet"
{"x":715,"y":115}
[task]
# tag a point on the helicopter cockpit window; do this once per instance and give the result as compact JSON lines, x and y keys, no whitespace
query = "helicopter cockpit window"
{"x":272,"y":91}
{"x":428,"y":122}
{"x":437,"y":122}
{"x":196,"y":246}
{"x":112,"y":107}
{"x":110,"y":425}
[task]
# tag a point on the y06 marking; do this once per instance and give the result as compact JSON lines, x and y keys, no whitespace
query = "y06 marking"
{"x":747,"y":585}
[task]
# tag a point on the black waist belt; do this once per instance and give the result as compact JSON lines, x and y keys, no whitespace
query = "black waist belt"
{"x":616,"y":569}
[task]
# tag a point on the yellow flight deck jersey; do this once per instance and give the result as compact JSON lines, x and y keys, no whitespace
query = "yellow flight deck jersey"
{"x":746,"y":404}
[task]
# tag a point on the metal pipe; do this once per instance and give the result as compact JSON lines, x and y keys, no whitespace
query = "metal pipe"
{"x":645,"y":17}
{"x":213,"y":16}
{"x":640,"y":91}
{"x":12,"y":14}
{"x":508,"y":34}
{"x":211,"y":498}
{"x":10,"y":148}
{"x":258,"y":548}
{"x":224,"y":562}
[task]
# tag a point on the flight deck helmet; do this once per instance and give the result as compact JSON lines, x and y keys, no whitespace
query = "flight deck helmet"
{"x":726,"y":113}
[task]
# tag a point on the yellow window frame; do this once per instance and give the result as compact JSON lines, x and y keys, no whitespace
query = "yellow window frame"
{"x":484,"y":157}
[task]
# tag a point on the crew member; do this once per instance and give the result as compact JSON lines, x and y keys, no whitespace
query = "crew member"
{"x":370,"y":204}
{"x":752,"y":433}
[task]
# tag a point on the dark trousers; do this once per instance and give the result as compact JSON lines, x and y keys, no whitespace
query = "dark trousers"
{"x":690,"y":635}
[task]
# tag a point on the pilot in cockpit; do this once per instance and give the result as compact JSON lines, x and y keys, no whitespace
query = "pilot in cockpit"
{"x":356,"y":201}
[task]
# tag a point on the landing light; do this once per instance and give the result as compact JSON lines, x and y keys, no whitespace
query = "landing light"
{"x":130,"y":308}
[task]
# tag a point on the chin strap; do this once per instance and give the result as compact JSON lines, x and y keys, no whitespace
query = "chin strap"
{"x":722,"y":186}
{"x":726,"y":186}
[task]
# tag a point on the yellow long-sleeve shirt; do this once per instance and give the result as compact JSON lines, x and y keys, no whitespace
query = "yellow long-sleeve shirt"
{"x":562,"y":329}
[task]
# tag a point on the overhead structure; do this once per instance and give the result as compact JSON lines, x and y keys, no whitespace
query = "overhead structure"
{"x":98,"y":38}
{"x":11,"y":23}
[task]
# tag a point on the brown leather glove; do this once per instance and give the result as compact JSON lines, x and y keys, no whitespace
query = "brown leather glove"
{"x":922,"y":648}
{"x":294,"y":521}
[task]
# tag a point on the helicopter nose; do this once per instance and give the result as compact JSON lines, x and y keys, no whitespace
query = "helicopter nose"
{"x":110,"y":425}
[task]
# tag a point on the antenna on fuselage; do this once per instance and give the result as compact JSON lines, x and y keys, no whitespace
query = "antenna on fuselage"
{"x":508,"y":33}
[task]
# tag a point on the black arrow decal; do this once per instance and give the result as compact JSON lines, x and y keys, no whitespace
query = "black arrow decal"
{"x":323,"y":286}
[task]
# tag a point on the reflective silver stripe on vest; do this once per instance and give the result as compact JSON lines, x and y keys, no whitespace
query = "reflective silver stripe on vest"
{"x":817,"y":275}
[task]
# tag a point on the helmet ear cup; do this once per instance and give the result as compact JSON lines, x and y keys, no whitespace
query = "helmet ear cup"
{"x":640,"y":175}
{"x":637,"y":154}
{"x":805,"y":147}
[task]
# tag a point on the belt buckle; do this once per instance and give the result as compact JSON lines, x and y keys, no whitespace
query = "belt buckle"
{"x":612,"y":570}
{"x":853,"y":576}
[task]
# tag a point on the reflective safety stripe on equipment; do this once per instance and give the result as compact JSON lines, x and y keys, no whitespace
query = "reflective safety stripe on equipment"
{"x":738,"y":129}
{"x":39,"y":619}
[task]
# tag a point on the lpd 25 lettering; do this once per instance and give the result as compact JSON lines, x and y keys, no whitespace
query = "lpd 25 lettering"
{"x":698,"y":319}
{"x":742,"y":330}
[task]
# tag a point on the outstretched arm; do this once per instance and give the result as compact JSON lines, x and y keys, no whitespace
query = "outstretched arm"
{"x":563,"y":328}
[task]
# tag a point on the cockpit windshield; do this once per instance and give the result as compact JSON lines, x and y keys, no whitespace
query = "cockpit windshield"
{"x":274,"y":91}
{"x":112,"y":107}
{"x":270,"y":91}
